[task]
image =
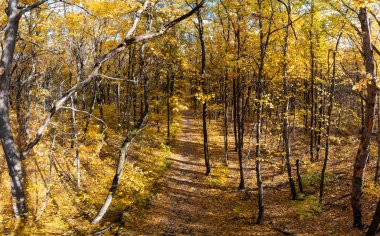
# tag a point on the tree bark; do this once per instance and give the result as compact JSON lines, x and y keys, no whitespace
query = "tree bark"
{"x":285,"y":128}
{"x":259,"y":96}
{"x":225,"y":116}
{"x":377,"y":170}
{"x":12,"y":155}
{"x":239,"y":107}
{"x":120,"y":168}
{"x":312,"y":79}
{"x":204,"y":89}
{"x":329,"y":114}
{"x":363,"y":150}
{"x":374,"y":227}
{"x":299,"y":179}
{"x":234,"y":111}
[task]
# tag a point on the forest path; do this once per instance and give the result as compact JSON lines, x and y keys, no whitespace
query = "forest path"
{"x":187,"y":203}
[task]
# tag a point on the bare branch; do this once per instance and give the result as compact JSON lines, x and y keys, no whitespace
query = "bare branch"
{"x":78,"y":6}
{"x":374,"y":16}
{"x":289,"y":24}
{"x":31,"y":7}
{"x":87,"y":113}
{"x":42,"y":47}
{"x":117,"y":79}
{"x":137,"y":19}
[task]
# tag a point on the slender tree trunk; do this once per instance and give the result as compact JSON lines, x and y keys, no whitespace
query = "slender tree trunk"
{"x":118,"y":104}
{"x":362,"y":114}
{"x":168,"y":108}
{"x":377,"y":170}
{"x":234,"y":111}
{"x":259,"y":180}
{"x":321,"y":118}
{"x":239,"y":107}
{"x":204,"y":89}
{"x":306,"y":102}
{"x":312,"y":79}
{"x":285,"y":129}
{"x":93,"y":103}
{"x":144,"y":73}
{"x":260,"y":94}
{"x":120,"y":168}
{"x":299,"y":179}
{"x":329,"y":118}
{"x":76,"y":143}
{"x":225,"y":116}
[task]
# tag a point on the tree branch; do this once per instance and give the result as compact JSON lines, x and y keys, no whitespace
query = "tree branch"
{"x":117,"y":79}
{"x":87,"y":113}
{"x":31,"y":7}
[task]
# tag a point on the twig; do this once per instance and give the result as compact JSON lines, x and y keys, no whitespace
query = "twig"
{"x":42,"y":47}
{"x":340,"y":198}
{"x":104,"y":230}
{"x":87,"y":113}
{"x":283,"y":231}
{"x":117,"y":79}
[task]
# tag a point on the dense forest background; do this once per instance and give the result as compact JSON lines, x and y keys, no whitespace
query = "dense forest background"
{"x":166,"y":117}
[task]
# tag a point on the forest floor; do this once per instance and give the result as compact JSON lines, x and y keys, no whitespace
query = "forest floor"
{"x":189,"y":203}
{"x":166,"y":192}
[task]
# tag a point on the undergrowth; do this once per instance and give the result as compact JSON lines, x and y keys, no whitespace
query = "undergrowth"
{"x":69,"y":210}
{"x":219,"y":176}
{"x":307,"y":208}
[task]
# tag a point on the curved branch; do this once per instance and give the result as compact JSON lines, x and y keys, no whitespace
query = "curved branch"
{"x":120,"y":167}
{"x":31,"y":7}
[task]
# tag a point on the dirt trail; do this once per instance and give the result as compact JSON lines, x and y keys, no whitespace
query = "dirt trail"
{"x":187,"y":203}
{"x":181,"y":205}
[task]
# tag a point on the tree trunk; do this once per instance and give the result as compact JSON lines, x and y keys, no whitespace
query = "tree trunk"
{"x":169,"y":90}
{"x":239,"y":108}
{"x":299,"y":179}
{"x":204,"y":89}
{"x":377,"y":170}
{"x":120,"y":168}
{"x":374,"y":227}
{"x":259,"y":96}
{"x":329,"y":114}
{"x":144,"y":73}
{"x":312,"y":79}
{"x":234,"y":111}
{"x":321,"y":118}
{"x":285,"y":128}
{"x":260,"y":218}
{"x":76,"y":143}
{"x":12,"y":155}
{"x":93,"y":103}
{"x":363,"y":150}
{"x":225,"y":116}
